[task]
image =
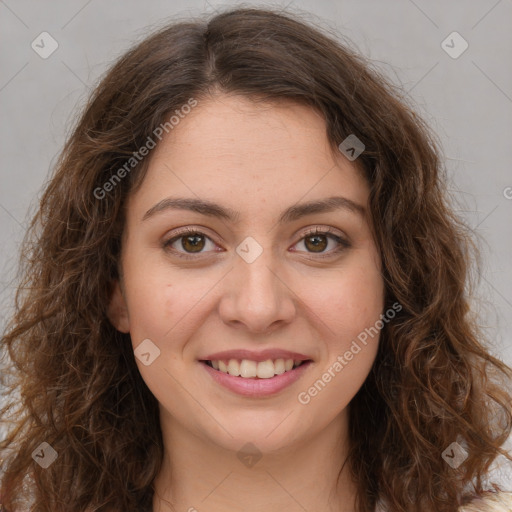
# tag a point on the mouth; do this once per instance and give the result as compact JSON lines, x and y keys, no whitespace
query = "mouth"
{"x":248,"y":369}
{"x":255,"y":379}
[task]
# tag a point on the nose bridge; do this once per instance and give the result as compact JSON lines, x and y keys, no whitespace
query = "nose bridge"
{"x":257,"y":296}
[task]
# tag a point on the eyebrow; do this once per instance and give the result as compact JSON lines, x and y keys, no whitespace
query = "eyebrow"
{"x":294,"y":212}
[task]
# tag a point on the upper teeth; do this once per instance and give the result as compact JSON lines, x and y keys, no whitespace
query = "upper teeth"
{"x":250,"y":369}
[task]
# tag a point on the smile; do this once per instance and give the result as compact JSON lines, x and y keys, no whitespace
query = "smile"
{"x":255,"y":379}
{"x":248,"y":369}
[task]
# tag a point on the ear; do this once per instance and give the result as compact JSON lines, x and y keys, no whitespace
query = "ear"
{"x":117,"y":310}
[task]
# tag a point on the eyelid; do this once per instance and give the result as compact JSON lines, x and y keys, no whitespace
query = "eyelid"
{"x":189,"y":230}
{"x":341,"y":239}
{"x":182,"y":232}
{"x":327,"y":231}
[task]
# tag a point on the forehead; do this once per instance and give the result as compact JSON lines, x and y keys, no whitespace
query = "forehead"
{"x":241,"y":153}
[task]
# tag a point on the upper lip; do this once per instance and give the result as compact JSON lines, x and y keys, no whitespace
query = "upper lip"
{"x":255,"y":356}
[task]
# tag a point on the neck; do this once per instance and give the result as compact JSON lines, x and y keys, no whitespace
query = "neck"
{"x":198,"y":475}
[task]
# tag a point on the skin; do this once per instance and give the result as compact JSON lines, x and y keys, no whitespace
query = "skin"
{"x":257,"y":159}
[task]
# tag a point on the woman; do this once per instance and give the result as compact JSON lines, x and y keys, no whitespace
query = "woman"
{"x":245,"y":290}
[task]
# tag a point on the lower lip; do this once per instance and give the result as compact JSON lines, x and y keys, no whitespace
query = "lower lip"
{"x":257,"y":387}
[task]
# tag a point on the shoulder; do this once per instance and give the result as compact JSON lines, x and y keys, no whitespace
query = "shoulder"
{"x":491,"y":502}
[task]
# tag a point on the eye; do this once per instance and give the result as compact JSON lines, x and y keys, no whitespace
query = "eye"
{"x":192,"y":242}
{"x":317,"y":240}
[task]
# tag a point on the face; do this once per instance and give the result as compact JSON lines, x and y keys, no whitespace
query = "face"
{"x":247,"y":285}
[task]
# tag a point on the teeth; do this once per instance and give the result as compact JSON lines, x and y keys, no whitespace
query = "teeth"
{"x":250,"y":369}
{"x":266,"y":369}
{"x":279,"y":366}
{"x":234,"y":367}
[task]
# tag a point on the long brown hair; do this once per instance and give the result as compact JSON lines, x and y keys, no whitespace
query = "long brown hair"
{"x":74,"y":383}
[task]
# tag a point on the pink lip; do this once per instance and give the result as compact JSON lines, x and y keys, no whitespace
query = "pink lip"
{"x":273,"y":354}
{"x":257,"y":387}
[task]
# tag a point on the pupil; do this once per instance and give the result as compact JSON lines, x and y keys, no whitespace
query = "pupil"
{"x":318,"y":242}
{"x":195,"y":241}
{"x":316,"y":246}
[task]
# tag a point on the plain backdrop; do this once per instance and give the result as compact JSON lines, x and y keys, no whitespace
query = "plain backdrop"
{"x":466,"y":98}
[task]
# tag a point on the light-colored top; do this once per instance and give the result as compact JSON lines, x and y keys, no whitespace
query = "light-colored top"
{"x":492,"y":502}
{"x":500,"y":474}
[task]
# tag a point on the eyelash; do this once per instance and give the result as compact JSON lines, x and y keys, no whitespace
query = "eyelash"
{"x":316,"y":231}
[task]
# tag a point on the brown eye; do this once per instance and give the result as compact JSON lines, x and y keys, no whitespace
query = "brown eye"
{"x":188,"y":243}
{"x":316,"y":243}
{"x":193,"y":243}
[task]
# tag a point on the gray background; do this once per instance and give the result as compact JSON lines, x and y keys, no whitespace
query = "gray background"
{"x":467,"y":101}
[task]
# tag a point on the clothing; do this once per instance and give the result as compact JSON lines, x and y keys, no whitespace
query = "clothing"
{"x":493,"y":502}
{"x":499,"y":474}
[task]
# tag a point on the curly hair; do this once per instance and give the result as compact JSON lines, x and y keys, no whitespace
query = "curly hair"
{"x":73,"y":382}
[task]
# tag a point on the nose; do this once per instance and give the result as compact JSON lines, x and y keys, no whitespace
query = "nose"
{"x":256,"y":296}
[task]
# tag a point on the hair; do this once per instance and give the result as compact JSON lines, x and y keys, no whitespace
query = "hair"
{"x":433,"y":381}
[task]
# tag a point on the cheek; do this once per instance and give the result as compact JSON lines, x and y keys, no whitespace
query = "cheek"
{"x":350,"y":300}
{"x":164,"y":300}
{"x":344,"y":301}
{"x":350,"y":311}
{"x":151,"y":288}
